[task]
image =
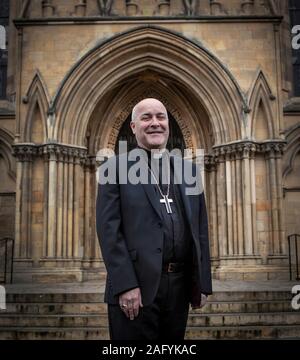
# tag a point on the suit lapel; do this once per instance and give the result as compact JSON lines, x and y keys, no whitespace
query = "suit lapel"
{"x":182,"y":186}
{"x":152,"y":197}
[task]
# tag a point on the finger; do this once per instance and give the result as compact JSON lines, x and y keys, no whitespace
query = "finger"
{"x":136,"y":306}
{"x":131,"y":314}
{"x":125,"y":311}
{"x":130,"y":309}
{"x":140,"y":301}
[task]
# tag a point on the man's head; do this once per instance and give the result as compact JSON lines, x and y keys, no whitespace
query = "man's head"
{"x":150,"y":124}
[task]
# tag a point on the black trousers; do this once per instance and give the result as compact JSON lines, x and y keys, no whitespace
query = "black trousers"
{"x":164,"y":319}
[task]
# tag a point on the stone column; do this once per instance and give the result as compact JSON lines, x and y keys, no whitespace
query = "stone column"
{"x":65,"y":206}
{"x":70,"y":190}
{"x":253,"y":201}
{"x":234,"y":204}
{"x":229,"y":204}
{"x":282,"y":239}
{"x":221,"y":200}
{"x":46,"y":198}
{"x":87,"y":212}
{"x":239,"y":197}
{"x":273,"y":196}
{"x":18,"y":208}
{"x":248,"y":246}
{"x":52,"y":201}
{"x":212,"y":205}
{"x":24,"y":154}
{"x":77,"y":223}
{"x":60,"y":204}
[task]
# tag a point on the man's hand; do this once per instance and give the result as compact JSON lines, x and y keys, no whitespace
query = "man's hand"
{"x":130,"y":302}
{"x":202,"y":302}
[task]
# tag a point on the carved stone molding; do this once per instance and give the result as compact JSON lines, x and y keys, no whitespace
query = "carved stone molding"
{"x":247,"y":6}
{"x":217,"y":8}
{"x":209,"y":162}
{"x":58,"y":152}
{"x":105,"y":7}
{"x":89,"y":163}
{"x":93,"y":9}
{"x":24,"y":152}
{"x":48,"y":9}
{"x":80,"y":8}
{"x":190,"y":7}
{"x":248,"y":149}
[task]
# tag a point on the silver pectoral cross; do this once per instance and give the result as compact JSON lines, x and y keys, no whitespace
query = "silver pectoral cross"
{"x":167,"y":202}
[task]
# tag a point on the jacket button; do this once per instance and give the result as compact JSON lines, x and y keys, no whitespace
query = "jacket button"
{"x":158,"y":250}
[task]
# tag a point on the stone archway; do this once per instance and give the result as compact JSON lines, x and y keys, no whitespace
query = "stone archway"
{"x":87,"y":113}
{"x":147,"y":51}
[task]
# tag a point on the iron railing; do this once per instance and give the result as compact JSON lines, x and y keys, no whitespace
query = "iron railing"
{"x":293,"y":243}
{"x":7,"y":251}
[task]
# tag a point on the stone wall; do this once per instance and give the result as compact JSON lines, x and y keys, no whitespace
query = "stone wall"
{"x":76,"y":68}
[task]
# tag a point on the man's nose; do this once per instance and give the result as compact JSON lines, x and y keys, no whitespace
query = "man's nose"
{"x":155,"y":122}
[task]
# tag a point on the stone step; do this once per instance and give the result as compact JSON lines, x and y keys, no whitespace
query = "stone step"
{"x":245,"y":306}
{"x":66,"y":320}
{"x":241,"y":319}
{"x":56,"y":308}
{"x":54,"y":298}
{"x":195,"y":320}
{"x":218,"y":296}
{"x":101,"y":308}
{"x":243,"y":332}
{"x":192,"y":333}
{"x":54,"y":333}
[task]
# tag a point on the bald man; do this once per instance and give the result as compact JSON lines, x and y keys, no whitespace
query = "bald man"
{"x":153,"y":237}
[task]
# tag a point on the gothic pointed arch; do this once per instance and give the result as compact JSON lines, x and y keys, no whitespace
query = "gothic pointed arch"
{"x":261,"y":105}
{"x":153,"y":50}
{"x":24,"y":9}
{"x":273,"y":7}
{"x":292,"y":150}
{"x":6,"y":140}
{"x":38,"y":99}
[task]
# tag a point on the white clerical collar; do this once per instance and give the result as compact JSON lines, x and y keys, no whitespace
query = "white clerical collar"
{"x":157,"y":153}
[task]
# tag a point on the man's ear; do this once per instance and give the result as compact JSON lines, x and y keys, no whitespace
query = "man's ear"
{"x":132,"y":125}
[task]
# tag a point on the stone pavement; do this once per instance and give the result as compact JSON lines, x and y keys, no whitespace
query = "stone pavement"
{"x":95,"y":287}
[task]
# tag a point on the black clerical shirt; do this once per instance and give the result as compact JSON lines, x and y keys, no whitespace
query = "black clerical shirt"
{"x":177,"y":236}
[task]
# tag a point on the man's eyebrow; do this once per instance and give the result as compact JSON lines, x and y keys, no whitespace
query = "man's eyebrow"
{"x":149,"y":113}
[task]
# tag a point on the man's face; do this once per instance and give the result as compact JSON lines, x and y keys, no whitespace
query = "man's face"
{"x":151,"y":125}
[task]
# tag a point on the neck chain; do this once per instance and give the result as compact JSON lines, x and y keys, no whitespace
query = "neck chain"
{"x":164,"y":197}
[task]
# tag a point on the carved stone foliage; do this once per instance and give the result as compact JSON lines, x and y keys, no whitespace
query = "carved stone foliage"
{"x":121,"y":8}
{"x":248,"y":149}
{"x":59,"y":152}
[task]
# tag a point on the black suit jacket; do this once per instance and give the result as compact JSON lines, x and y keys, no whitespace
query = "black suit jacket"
{"x":129,"y":228}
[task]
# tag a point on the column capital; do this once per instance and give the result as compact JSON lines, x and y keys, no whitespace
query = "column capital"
{"x":50,"y":151}
{"x":248,"y":149}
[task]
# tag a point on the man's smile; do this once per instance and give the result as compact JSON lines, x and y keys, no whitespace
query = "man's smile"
{"x":155,"y":132}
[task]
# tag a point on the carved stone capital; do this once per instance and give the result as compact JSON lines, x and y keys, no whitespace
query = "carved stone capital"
{"x":24,"y":152}
{"x":210,"y":162}
{"x":248,"y":149}
{"x":49,"y":151}
{"x":89,"y":163}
